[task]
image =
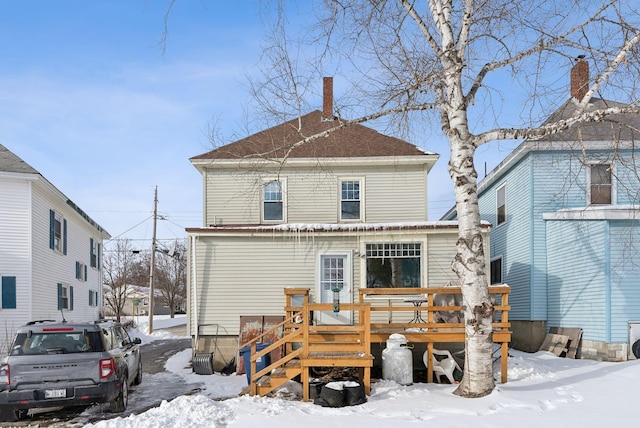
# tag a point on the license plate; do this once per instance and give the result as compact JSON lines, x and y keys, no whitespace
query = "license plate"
{"x":55,"y":393}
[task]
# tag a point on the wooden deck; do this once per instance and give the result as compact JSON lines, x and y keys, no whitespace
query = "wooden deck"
{"x":378,"y":314}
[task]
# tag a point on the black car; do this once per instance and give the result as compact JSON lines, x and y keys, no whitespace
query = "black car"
{"x":61,"y":364}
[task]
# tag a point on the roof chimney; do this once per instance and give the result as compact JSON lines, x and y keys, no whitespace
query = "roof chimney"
{"x":327,"y":98}
{"x":580,"y":78}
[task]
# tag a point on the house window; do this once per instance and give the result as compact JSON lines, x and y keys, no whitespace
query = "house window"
{"x":57,"y":232}
{"x":350,"y":200}
{"x":93,"y":298}
{"x":600,"y":184}
{"x":65,"y":297}
{"x":94,"y":253}
{"x":496,"y":271}
{"x":81,"y":271}
{"x":501,"y":205}
{"x":8,"y":295}
{"x":273,"y":203}
{"x":393,"y":265}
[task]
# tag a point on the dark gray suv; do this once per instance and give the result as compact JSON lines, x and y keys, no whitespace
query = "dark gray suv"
{"x":60,"y":364}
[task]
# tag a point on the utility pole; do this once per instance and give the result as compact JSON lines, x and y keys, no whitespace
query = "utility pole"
{"x":152,"y":268}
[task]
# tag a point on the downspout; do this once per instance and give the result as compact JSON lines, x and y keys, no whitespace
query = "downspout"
{"x":195,"y":287}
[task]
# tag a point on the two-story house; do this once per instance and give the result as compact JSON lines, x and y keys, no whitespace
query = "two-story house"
{"x":566,"y":236}
{"x":50,"y":251}
{"x":342,"y":211}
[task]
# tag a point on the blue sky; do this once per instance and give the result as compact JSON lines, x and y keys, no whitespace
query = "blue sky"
{"x":89,"y":99}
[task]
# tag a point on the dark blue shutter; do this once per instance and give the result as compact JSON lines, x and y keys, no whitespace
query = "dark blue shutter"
{"x":77,"y":270}
{"x":70,"y":298}
{"x":8,"y":292}
{"x":52,"y":226}
{"x":98,"y":256}
{"x":85,"y":272}
{"x":59,"y":296}
{"x":97,"y":297}
{"x":64,"y":237}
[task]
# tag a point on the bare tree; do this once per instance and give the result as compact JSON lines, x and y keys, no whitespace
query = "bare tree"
{"x":459,"y":64}
{"x":119,"y":262}
{"x":171,"y":272}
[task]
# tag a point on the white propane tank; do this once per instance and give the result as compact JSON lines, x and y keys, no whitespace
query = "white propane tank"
{"x":397,"y":360}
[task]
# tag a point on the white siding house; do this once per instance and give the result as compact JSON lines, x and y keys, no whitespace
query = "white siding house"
{"x":344,"y":211}
{"x":50,"y":252}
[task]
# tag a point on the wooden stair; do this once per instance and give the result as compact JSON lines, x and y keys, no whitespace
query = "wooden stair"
{"x":278,"y":377}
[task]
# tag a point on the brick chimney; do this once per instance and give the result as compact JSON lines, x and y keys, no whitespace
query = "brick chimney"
{"x":327,"y":98}
{"x":580,"y":78}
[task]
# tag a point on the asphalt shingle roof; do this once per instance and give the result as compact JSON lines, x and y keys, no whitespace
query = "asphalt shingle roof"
{"x":354,"y":140}
{"x":9,"y":162}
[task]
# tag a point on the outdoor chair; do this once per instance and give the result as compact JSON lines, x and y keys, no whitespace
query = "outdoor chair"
{"x":443,"y":365}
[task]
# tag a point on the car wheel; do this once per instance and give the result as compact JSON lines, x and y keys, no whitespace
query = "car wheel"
{"x":9,"y":414}
{"x":119,"y":404}
{"x":138,"y":378}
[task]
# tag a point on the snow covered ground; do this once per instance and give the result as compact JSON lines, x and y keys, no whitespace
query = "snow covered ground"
{"x":543,"y":390}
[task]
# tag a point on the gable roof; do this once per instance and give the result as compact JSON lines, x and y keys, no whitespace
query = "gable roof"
{"x":351,"y":141}
{"x":618,"y":127}
{"x":9,"y":162}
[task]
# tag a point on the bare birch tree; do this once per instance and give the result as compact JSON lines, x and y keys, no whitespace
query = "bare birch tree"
{"x":172,"y":276}
{"x":118,"y":266}
{"x":458,"y":64}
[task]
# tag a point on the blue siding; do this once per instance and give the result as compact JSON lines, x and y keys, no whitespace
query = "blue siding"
{"x":625,"y":277}
{"x":511,"y":240}
{"x":577,"y":277}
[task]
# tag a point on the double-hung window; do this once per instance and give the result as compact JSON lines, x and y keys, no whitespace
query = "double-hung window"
{"x":350,"y":200}
{"x":600,"y":184}
{"x":501,"y":205}
{"x":65,"y":297}
{"x":393,"y":265}
{"x":57,"y":232}
{"x":94,"y":253}
{"x":81,"y":271}
{"x":273,"y":201}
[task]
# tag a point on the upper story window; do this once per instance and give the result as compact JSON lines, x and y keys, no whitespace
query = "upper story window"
{"x":496,"y":271}
{"x":350,"y":200}
{"x":501,"y":205}
{"x":600,"y":184}
{"x":94,"y":253}
{"x":57,"y":232}
{"x":273,"y":201}
{"x":393,"y":265}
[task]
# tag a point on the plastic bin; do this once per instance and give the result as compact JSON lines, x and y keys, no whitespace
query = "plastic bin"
{"x":261,"y":363}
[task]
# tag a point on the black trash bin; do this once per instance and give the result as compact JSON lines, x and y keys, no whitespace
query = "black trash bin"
{"x":261,"y":363}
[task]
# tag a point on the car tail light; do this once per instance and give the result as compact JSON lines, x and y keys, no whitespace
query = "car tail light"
{"x":5,"y":376}
{"x":107,"y":367}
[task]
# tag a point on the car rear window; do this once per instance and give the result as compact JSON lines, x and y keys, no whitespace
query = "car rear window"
{"x":35,"y":343}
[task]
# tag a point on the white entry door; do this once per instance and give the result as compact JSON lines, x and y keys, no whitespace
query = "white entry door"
{"x":335,"y":273}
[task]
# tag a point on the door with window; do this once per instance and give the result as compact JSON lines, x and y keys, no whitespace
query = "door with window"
{"x":335,"y":274}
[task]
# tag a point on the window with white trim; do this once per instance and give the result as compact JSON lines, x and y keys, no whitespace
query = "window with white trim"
{"x":57,"y":232}
{"x":496,"y":270}
{"x":81,"y":271}
{"x":65,"y":297}
{"x":393,"y":265}
{"x":273,"y":201}
{"x":501,"y":205}
{"x":600,"y":184}
{"x":350,"y":200}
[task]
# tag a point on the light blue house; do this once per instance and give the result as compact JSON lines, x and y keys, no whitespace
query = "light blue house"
{"x":565,"y":236}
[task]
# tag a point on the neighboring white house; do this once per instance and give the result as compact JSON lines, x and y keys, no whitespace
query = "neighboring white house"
{"x":50,"y":251}
{"x":344,"y":211}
